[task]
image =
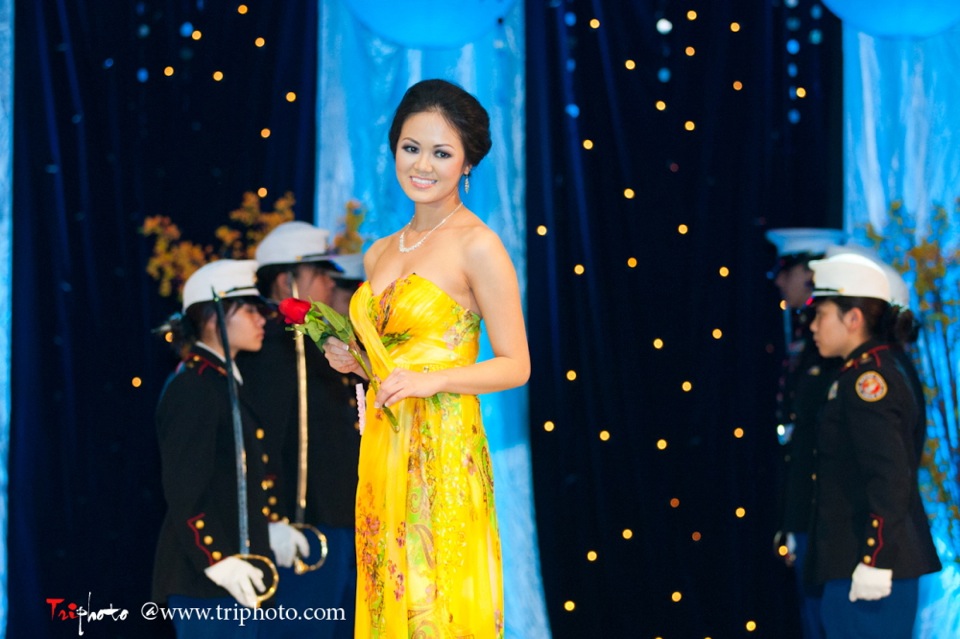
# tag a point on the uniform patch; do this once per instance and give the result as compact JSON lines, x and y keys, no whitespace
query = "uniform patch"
{"x":871,"y":386}
{"x":832,"y":394}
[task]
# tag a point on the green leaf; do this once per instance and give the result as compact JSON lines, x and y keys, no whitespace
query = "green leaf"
{"x":341,"y":325}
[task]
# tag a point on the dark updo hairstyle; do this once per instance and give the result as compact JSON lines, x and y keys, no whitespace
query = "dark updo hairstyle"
{"x":185,"y":328}
{"x":886,"y":322}
{"x":460,"y":109}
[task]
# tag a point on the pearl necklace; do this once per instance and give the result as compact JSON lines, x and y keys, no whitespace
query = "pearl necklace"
{"x":404,"y":249}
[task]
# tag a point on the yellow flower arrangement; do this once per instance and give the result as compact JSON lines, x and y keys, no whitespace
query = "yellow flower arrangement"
{"x":175,"y":259}
{"x":350,"y":241}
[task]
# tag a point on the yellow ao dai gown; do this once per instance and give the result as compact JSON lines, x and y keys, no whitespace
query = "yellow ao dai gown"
{"x":428,"y":550}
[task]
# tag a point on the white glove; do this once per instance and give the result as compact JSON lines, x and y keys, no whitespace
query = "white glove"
{"x":239,"y":578}
{"x":870,"y":584}
{"x":285,"y":541}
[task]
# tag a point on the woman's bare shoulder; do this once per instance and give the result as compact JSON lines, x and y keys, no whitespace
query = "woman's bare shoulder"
{"x":479,"y":239}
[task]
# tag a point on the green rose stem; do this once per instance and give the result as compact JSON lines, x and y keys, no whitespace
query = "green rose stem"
{"x":374,"y":384}
{"x":320,"y":322}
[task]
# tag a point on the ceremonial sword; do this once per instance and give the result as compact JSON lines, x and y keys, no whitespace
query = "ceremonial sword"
{"x":240,"y":453}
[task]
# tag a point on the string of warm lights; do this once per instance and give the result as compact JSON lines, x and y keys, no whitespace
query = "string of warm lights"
{"x":190,"y":32}
{"x":194,"y":35}
{"x":674,"y":34}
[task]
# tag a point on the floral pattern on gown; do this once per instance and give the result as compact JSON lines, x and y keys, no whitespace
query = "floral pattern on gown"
{"x":428,"y":549}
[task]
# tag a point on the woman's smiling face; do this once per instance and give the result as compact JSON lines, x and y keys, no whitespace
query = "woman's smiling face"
{"x":429,"y":159}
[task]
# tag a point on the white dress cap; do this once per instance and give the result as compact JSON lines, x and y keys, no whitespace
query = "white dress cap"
{"x":899,"y":291}
{"x":229,"y":278}
{"x":294,"y":242}
{"x":849,"y":275}
{"x":804,"y":240}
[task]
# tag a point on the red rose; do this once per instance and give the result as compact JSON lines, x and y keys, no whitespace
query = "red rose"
{"x":294,"y":311}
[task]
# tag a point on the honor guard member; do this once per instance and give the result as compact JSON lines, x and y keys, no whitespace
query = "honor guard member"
{"x":202,"y":558}
{"x":899,"y":296}
{"x":314,"y":462}
{"x":870,"y":537}
{"x":803,"y":385}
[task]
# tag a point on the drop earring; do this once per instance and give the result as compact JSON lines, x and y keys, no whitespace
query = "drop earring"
{"x":466,"y":183}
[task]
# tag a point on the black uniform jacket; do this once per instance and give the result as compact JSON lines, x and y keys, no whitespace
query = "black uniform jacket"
{"x":201,"y":526}
{"x":333,"y":437}
{"x":868,"y":507}
{"x":807,"y":379}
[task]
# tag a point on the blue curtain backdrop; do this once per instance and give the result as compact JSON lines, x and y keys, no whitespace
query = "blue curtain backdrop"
{"x":902,"y":168}
{"x":104,"y":138}
{"x":6,"y":195}
{"x":363,"y":73}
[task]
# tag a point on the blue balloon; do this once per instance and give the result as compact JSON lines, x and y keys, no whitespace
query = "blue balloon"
{"x":430,"y":24}
{"x":914,"y":18}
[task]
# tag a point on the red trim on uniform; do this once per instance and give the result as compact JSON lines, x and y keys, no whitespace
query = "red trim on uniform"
{"x":196,"y":535}
{"x":873,"y":352}
{"x":208,"y":364}
{"x":879,"y":521}
{"x":876,"y":354}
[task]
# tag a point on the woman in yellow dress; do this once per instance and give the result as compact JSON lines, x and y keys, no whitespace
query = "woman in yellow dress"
{"x":428,"y":548}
